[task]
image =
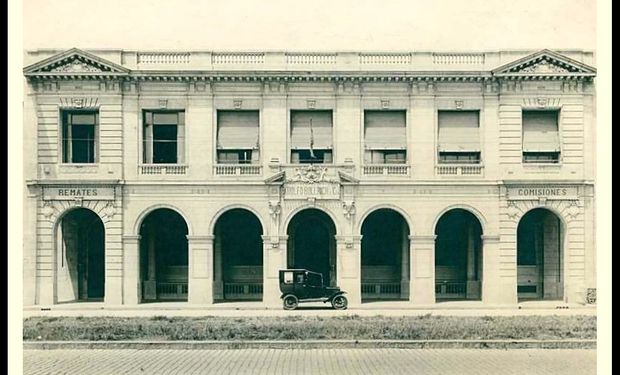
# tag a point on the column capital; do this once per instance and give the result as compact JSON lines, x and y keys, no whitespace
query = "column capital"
{"x":427,"y":238}
{"x":129,"y":238}
{"x":273,"y":241}
{"x":490,"y":238}
{"x":199,"y":238}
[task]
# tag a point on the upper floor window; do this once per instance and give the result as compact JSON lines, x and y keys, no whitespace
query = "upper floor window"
{"x":79,"y":134}
{"x":385,"y":137}
{"x":237,"y":137}
{"x":459,"y":137}
{"x":311,"y":137}
{"x":163,"y":137}
{"x":541,"y":141}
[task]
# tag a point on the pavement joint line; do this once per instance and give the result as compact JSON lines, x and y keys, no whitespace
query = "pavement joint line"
{"x":314,"y":344}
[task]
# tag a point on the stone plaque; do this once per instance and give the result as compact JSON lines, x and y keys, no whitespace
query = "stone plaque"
{"x":320,"y":190}
{"x":78,"y":192}
{"x":529,"y":192}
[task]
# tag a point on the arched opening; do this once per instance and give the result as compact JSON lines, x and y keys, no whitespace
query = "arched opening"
{"x":238,"y":256}
{"x":312,"y":244}
{"x":80,"y":257}
{"x":163,"y":256}
{"x":458,"y":256}
{"x":540,"y":256}
{"x":385,"y":256}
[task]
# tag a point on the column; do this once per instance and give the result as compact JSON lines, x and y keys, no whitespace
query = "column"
{"x":132,"y":294}
{"x":200,"y":283}
{"x":349,"y":267}
{"x":274,"y":260}
{"x":473,"y":285}
{"x":150,"y":284}
{"x":405,"y":264}
{"x":495,"y":288}
{"x":422,"y":255}
{"x":218,"y":274}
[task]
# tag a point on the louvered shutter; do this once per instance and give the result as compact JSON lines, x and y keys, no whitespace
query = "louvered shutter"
{"x":385,"y":130}
{"x":237,"y":130}
{"x":321,"y":129}
{"x":540,"y":131}
{"x":459,"y":131}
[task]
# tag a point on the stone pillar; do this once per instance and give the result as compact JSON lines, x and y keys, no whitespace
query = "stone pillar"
{"x":218,"y":274}
{"x":405,"y":264}
{"x":496,"y":289}
{"x":349,"y":267}
{"x":132,"y":293}
{"x":473,"y":285}
{"x":200,"y":282}
{"x":150,"y":284}
{"x":422,"y":255}
{"x":274,"y":260}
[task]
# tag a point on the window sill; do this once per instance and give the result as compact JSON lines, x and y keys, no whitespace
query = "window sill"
{"x":224,"y":169}
{"x":459,"y":169}
{"x":386,"y":169}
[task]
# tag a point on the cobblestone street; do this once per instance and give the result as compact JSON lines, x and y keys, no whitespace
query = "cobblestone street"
{"x":314,"y":361}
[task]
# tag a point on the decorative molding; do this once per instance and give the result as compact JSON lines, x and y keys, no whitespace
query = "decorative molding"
{"x":348,"y":208}
{"x":109,"y":210}
{"x":544,"y":66}
{"x":275,"y":208}
{"x":237,"y":103}
{"x":47,"y":210}
{"x":385,"y":104}
{"x":591,"y":295}
{"x":79,"y":102}
{"x":458,"y":104}
{"x":76,"y":66}
{"x":512,"y":210}
{"x":311,"y":104}
{"x":311,"y":174}
{"x":163,"y":103}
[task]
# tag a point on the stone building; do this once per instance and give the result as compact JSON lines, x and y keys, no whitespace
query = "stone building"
{"x":422,"y":177}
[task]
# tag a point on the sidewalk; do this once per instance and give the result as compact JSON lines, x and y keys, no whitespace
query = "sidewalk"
{"x":392,"y":308}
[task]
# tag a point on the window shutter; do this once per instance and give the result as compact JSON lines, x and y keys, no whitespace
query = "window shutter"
{"x":181,"y":138}
{"x":459,"y":131}
{"x":385,"y":130}
{"x":237,"y":130}
{"x":321,"y":129}
{"x":540,"y":131}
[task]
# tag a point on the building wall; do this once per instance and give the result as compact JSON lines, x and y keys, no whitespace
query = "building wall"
{"x":422,"y":193}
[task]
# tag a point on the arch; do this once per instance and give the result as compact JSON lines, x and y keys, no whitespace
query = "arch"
{"x":293,"y":213}
{"x":481,"y":219}
{"x":58,"y":217}
{"x":143,"y":215}
{"x":368,"y":212}
{"x":531,"y":206}
{"x":231,"y":207}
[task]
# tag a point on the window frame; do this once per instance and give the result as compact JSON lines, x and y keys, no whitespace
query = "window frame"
{"x":385,"y":151}
{"x":290,"y":129}
{"x":256,"y":149}
{"x":142,"y":140}
{"x":480,"y":152}
{"x":63,"y":111}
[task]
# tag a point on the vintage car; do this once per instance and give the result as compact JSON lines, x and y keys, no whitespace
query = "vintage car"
{"x":300,"y":285}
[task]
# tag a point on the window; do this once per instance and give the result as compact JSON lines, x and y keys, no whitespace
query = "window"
{"x":385,"y":137}
{"x":237,"y":137}
{"x":459,"y":138}
{"x":163,"y":137}
{"x":541,"y":141}
{"x":311,"y":137}
{"x":79,"y":133}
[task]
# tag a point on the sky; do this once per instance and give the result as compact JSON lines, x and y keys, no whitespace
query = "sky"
{"x":317,"y":25}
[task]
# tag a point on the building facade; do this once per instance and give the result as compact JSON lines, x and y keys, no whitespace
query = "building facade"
{"x":419,"y":177}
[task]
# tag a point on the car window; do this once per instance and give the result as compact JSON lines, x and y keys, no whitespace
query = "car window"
{"x":300,"y":278}
{"x":288,"y":277}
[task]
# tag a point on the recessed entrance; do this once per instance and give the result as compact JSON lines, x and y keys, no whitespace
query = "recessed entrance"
{"x":312,"y":244}
{"x":458,"y":256}
{"x":385,"y":256}
{"x":163,"y":256}
{"x":80,"y":262}
{"x":539,"y":256}
{"x":238,"y":256}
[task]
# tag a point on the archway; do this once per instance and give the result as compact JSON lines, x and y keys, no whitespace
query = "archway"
{"x":312,"y":243}
{"x":80,"y":262}
{"x":540,"y":256}
{"x":458,"y":256}
{"x":163,"y":256}
{"x":385,"y":256}
{"x":238,"y":256}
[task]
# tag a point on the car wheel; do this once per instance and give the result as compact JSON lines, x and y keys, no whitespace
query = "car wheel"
{"x":290,"y":302}
{"x":339,"y":302}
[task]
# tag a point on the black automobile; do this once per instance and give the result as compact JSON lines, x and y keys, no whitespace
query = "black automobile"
{"x":300,"y":285}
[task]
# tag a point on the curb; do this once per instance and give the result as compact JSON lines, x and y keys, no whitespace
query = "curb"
{"x":314,"y":344}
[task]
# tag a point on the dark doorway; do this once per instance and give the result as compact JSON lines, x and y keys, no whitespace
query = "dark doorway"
{"x":385,"y":256}
{"x":163,"y":256}
{"x":458,"y":256}
{"x":238,"y":256}
{"x":539,"y":256}
{"x":312,"y":244}
{"x":81,"y":257}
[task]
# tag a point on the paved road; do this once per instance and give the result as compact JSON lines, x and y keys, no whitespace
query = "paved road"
{"x":311,"y":361}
